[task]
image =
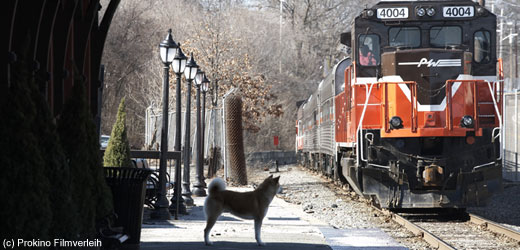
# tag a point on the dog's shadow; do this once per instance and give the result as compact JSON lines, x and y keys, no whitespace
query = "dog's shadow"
{"x":195,"y":212}
{"x":235,"y":246}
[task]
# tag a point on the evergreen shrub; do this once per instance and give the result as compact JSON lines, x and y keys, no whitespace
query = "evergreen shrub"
{"x":117,"y":153}
{"x":90,"y":193}
{"x":51,"y":177}
{"x":24,"y":187}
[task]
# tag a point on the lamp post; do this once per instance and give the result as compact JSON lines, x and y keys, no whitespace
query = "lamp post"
{"x":177,"y":203}
{"x":189,"y":73}
{"x":167,"y":51}
{"x":205,"y":88}
{"x":199,"y":182}
{"x":214,"y":99}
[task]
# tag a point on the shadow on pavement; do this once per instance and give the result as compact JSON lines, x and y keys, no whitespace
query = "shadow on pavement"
{"x":231,"y":246}
{"x":284,"y":218}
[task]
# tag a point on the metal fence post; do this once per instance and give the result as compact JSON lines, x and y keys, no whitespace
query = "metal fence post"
{"x":224,"y":149}
{"x":516,"y":134}
{"x":503,"y":134}
{"x":147,"y":125}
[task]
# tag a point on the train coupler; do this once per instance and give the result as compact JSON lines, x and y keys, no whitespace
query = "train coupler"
{"x":432,"y":175}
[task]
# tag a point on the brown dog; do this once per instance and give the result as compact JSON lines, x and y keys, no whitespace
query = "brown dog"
{"x":247,"y":205}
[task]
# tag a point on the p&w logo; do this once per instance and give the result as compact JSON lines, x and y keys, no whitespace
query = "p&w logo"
{"x":432,"y":63}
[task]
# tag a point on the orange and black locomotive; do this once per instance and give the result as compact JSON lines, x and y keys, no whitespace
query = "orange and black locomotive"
{"x":412,"y":117}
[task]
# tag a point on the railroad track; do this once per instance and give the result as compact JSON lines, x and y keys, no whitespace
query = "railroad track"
{"x":475,"y":233}
{"x":495,"y":227}
{"x":462,"y":231}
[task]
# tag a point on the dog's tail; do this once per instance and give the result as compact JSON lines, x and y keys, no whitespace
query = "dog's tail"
{"x":215,"y":185}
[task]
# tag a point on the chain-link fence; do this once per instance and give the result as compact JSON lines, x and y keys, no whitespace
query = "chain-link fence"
{"x":213,"y":119}
{"x":235,"y":139}
{"x":511,"y":136}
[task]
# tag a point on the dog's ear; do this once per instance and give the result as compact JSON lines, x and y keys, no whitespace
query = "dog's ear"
{"x":277,"y":179}
{"x":270,"y":177}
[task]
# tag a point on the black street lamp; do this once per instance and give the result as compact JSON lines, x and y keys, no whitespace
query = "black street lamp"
{"x":199,"y":185}
{"x":189,"y":73}
{"x":214,"y":99}
{"x":177,"y":203}
{"x":167,"y":51}
{"x":205,"y":88}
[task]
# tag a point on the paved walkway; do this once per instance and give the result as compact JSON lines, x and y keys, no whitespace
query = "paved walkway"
{"x":286,"y":226}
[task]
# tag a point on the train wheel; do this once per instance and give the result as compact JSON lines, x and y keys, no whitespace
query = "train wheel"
{"x":323,"y":166}
{"x":339,"y":171}
{"x":331,"y":168}
{"x":316,"y":163}
{"x":311,"y":162}
{"x":334,"y":167}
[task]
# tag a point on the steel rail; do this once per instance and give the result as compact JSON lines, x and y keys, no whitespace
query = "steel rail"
{"x":438,"y":243}
{"x":430,"y":238}
{"x":494,"y":227}
{"x":433,"y":240}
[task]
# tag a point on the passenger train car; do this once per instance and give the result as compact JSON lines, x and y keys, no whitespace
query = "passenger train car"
{"x":411,"y":118}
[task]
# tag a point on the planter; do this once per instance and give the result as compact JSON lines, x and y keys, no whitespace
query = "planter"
{"x":128,"y":190}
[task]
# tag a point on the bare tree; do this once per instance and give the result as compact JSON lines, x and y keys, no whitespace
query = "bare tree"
{"x":223,"y":54}
{"x":238,"y":45}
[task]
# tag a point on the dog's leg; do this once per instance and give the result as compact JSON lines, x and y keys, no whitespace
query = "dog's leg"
{"x":210,"y":222}
{"x":258,"y":229}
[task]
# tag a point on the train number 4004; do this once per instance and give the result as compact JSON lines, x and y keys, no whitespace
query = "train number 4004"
{"x":386,"y":13}
{"x":458,"y":11}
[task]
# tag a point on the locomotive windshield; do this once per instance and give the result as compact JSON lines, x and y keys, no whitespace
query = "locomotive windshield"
{"x":444,"y":36}
{"x":482,"y":47}
{"x":409,"y":37}
{"x":369,"y":52}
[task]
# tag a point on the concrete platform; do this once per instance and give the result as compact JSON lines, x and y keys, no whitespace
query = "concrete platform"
{"x":286,"y":226}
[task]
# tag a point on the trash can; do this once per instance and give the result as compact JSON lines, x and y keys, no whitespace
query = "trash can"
{"x":128,"y":189}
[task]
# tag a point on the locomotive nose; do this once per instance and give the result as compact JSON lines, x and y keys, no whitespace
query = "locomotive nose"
{"x":429,"y":67}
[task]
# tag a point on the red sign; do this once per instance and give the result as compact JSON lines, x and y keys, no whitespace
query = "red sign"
{"x":276,"y":142}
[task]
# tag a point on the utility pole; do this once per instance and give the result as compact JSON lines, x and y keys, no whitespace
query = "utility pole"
{"x":511,"y":56}
{"x":515,"y":55}
{"x":501,"y":32}
{"x":280,"y":46}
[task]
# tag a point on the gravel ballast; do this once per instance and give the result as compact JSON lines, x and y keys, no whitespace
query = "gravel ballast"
{"x":342,"y":208}
{"x":503,"y":207}
{"x":335,"y":206}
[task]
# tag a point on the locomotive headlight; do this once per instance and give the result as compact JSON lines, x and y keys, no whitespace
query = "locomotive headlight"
{"x":430,"y":11}
{"x":370,"y":13}
{"x":420,"y":11}
{"x":396,"y":122}
{"x":467,"y":121}
{"x":480,"y":11}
